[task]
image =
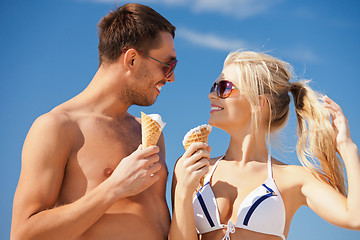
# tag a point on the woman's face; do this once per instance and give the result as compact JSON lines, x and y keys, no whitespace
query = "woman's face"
{"x":233,"y":112}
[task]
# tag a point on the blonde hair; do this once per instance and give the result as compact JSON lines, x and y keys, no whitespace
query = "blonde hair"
{"x":263,"y":75}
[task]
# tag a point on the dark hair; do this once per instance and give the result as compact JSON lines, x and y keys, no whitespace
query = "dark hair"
{"x":130,"y":26}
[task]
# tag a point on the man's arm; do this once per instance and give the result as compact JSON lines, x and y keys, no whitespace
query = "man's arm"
{"x":45,"y":154}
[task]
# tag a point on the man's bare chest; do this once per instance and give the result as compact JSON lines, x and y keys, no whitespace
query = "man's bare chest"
{"x":97,"y":151}
{"x":105,"y":146}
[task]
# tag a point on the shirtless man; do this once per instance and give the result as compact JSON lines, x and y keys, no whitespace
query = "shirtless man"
{"x":84,"y":174}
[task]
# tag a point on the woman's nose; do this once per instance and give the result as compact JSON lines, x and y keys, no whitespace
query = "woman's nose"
{"x":212,"y":95}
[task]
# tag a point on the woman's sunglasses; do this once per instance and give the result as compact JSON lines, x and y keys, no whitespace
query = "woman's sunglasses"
{"x":223,"y":88}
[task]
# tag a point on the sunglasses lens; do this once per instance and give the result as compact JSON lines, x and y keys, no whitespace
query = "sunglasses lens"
{"x":213,"y":88}
{"x":171,"y":69}
{"x":224,"y":89}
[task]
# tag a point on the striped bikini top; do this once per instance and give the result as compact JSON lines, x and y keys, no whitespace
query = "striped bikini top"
{"x":261,"y":211}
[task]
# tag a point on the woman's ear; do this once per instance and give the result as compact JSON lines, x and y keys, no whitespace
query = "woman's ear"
{"x":263,"y":105}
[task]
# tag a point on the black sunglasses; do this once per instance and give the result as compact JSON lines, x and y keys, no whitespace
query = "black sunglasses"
{"x":168,"y":70}
{"x":223,"y":88}
{"x":170,"y":67}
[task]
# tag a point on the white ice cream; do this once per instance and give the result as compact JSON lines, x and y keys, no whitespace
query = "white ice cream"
{"x":196,"y":129}
{"x":157,"y":118}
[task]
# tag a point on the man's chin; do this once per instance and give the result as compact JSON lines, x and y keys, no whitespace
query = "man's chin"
{"x":145,"y":103}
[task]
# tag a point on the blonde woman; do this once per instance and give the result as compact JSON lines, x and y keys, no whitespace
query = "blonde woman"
{"x":247,"y":194}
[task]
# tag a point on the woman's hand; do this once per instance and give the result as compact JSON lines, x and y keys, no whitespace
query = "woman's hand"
{"x":339,"y":122}
{"x":340,"y":210}
{"x":192,"y":166}
{"x":187,"y":174}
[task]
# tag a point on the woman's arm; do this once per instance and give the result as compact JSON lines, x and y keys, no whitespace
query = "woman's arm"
{"x":187,"y":173}
{"x":322,"y":198}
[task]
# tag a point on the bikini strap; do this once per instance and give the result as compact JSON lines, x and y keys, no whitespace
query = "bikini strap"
{"x":270,"y":175}
{"x":209,"y":175}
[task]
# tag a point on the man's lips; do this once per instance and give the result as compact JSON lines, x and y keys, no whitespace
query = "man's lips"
{"x":158,"y":87}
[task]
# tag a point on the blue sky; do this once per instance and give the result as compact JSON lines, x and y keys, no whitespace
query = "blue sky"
{"x":49,"y":54}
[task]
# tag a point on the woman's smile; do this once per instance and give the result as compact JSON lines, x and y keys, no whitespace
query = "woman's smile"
{"x":215,"y":108}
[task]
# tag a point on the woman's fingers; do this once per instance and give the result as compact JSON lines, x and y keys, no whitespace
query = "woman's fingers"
{"x":194,"y":147}
{"x":331,"y":105}
{"x":202,"y":166}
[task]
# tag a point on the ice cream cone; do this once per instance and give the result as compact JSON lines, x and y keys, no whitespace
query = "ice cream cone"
{"x":198,"y":134}
{"x":151,"y":128}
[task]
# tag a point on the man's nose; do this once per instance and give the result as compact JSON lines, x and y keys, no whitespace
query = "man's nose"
{"x":171,"y":78}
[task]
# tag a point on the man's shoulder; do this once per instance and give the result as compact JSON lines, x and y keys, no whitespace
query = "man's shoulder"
{"x":57,"y":116}
{"x":53,"y":131}
{"x":55,"y":120}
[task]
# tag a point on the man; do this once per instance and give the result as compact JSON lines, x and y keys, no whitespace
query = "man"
{"x":84,"y":174}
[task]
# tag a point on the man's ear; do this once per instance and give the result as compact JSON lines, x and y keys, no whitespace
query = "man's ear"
{"x":129,"y":58}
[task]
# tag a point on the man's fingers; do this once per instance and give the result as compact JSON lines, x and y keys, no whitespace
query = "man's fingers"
{"x":154,"y":168}
{"x":152,"y":159}
{"x":151,"y":150}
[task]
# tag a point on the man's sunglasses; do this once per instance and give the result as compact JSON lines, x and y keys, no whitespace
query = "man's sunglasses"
{"x":223,"y":88}
{"x":168,"y":70}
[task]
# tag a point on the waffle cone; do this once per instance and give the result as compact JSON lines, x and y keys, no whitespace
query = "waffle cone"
{"x":198,"y":134}
{"x":150,"y":130}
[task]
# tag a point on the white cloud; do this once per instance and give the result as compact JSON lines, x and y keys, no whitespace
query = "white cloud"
{"x":302,"y":53}
{"x":235,"y":8}
{"x":210,"y":40}
{"x":166,"y":2}
{"x":305,"y":13}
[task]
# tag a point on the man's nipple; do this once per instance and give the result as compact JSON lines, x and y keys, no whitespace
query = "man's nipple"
{"x":108,"y":172}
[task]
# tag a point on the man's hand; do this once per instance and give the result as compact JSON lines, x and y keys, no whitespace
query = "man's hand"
{"x":137,"y":172}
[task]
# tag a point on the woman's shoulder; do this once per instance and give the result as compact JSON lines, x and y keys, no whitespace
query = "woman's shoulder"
{"x":214,"y":160}
{"x":286,"y":166}
{"x":292,"y":172}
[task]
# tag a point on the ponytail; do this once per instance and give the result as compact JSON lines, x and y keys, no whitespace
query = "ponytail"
{"x":316,"y":137}
{"x":263,"y":75}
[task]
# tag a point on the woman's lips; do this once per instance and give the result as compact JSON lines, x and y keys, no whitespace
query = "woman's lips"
{"x":215,"y":108}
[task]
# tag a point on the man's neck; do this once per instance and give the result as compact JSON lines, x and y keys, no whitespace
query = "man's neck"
{"x":102,"y":95}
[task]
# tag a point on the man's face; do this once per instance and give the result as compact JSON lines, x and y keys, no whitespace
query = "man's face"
{"x":149,"y":77}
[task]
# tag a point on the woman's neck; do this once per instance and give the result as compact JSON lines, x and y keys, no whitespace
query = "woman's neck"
{"x":246,"y":147}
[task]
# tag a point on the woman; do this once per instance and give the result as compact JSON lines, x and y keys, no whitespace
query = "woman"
{"x":247,"y":194}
